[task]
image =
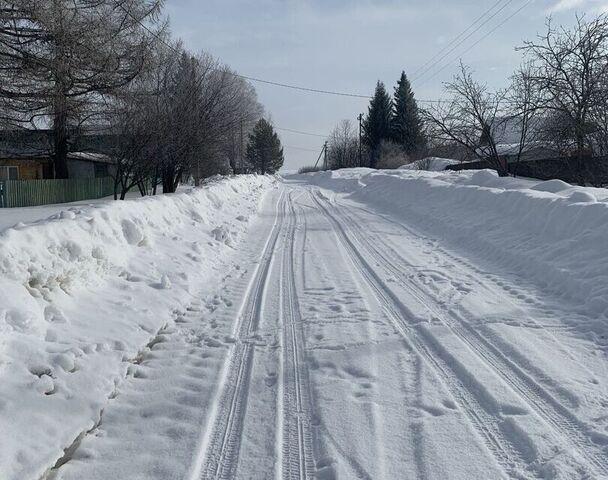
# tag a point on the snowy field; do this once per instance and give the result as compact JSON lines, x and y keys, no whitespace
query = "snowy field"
{"x":357,"y":324}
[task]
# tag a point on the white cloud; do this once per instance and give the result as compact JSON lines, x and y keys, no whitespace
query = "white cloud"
{"x":565,"y":5}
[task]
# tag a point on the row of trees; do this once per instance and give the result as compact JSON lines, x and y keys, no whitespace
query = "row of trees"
{"x":109,"y":67}
{"x":557,"y":100}
{"x":555,"y":106}
{"x":392,"y":132}
{"x":392,"y":125}
{"x":184,"y":116}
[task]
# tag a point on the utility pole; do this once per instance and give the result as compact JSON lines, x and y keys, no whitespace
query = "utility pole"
{"x":360,"y":118}
{"x":320,"y":154}
{"x":325,"y":156}
{"x":241,"y":168}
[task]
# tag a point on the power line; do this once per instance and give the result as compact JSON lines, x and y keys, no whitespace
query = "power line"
{"x":449,"y":44}
{"x":300,"y":148}
{"x":299,"y":132}
{"x":303,"y":89}
{"x":524,"y":5}
{"x":260,"y":80}
{"x":460,"y":42}
{"x":289,"y":147}
{"x":245,"y":77}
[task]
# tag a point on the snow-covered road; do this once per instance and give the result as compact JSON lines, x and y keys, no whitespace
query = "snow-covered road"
{"x":352,"y":343}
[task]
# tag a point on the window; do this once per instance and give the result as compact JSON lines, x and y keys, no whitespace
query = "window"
{"x":101,"y":170}
{"x":9,"y":173}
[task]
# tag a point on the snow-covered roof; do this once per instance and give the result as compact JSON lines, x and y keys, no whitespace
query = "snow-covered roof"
{"x":90,"y":157}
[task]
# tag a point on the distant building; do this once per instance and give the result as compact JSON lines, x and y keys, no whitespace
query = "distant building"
{"x":509,"y":152}
{"x":27,"y":155}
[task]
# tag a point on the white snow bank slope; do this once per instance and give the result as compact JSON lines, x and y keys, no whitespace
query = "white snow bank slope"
{"x":550,"y":233}
{"x":83,"y":292}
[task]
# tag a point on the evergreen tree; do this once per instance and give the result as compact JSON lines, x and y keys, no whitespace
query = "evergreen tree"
{"x":376,"y":125}
{"x":264,"y":151}
{"x":406,"y":127}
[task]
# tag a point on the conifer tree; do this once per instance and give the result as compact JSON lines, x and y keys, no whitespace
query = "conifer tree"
{"x":376,"y":125}
{"x":264,"y":150}
{"x":406,"y":127}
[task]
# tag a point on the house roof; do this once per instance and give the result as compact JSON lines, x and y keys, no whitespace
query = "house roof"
{"x":89,"y":145}
{"x":22,"y":153}
{"x":90,"y":157}
{"x":34,"y":154}
{"x":513,"y":148}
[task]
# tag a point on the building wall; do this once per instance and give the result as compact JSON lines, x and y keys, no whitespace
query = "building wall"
{"x":28,"y":169}
{"x":35,"y":169}
{"x":80,"y":169}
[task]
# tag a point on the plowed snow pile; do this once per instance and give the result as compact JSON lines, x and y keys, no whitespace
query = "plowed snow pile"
{"x":548,"y":232}
{"x":83,"y":292}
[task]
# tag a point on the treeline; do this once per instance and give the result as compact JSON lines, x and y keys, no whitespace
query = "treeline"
{"x":111,"y":68}
{"x":556,"y":104}
{"x":392,"y":132}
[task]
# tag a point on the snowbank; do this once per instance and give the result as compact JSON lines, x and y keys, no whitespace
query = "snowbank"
{"x":84,"y":291}
{"x":547,"y":232}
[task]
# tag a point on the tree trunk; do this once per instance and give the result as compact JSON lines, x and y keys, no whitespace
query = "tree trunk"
{"x":116,"y":185}
{"x":155,"y":180}
{"x":170,"y":179}
{"x":60,"y":138}
{"x":580,"y":159}
{"x":60,"y":110}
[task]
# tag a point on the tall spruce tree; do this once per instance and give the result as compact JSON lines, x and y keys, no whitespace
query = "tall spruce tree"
{"x":264,"y":150}
{"x":406,"y":126}
{"x":376,"y":125}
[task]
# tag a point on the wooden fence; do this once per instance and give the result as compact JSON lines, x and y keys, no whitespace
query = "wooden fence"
{"x":590,"y":171}
{"x":28,"y":193}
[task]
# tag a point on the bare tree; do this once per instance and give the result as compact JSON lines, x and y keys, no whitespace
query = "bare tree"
{"x":242,"y":118}
{"x":524,"y":114}
{"x":343,"y":150}
{"x":229,"y":112}
{"x":178,"y":119}
{"x":473,"y":119}
{"x":57,"y":55}
{"x":570,"y":68}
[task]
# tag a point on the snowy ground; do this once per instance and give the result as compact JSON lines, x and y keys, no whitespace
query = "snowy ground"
{"x":355,"y":324}
{"x":10,"y":217}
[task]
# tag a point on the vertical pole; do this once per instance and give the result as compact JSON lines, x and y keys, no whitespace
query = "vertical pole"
{"x":325,"y":156}
{"x":360,"y":117}
{"x":241,"y":150}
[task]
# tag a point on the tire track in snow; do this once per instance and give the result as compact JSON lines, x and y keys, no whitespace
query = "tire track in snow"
{"x":565,"y":425}
{"x":220,"y":448}
{"x":297,"y":450}
{"x":481,"y":418}
{"x":459,"y":262}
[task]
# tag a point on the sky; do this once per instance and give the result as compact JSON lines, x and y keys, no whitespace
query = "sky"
{"x":348,"y":45}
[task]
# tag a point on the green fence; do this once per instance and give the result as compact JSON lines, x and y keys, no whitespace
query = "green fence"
{"x":28,"y":193}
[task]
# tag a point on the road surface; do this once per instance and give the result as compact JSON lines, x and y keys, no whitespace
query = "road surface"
{"x":353,"y":346}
